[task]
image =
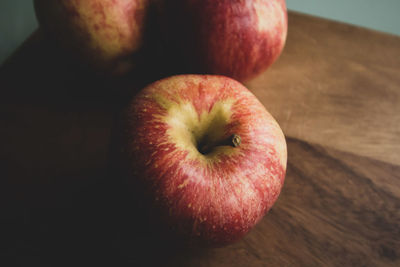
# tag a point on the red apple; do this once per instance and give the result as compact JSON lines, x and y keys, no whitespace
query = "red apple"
{"x":104,"y":35}
{"x":212,"y":158}
{"x":235,"y":38}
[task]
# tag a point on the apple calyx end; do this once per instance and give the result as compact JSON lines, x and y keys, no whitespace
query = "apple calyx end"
{"x":236,"y":140}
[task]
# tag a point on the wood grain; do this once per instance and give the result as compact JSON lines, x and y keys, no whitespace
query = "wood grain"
{"x":335,"y":91}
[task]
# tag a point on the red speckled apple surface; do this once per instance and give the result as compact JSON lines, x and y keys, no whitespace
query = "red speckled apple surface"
{"x":335,"y":91}
{"x":179,"y":142}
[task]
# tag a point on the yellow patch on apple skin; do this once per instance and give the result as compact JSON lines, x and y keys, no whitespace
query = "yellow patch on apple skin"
{"x":182,"y":185}
{"x":186,"y":126}
{"x":281,"y":143}
{"x":99,"y":19}
{"x":276,"y":136}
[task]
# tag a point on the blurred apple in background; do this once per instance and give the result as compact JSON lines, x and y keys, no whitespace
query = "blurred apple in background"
{"x":235,"y":38}
{"x":103,"y":35}
{"x":211,"y":157}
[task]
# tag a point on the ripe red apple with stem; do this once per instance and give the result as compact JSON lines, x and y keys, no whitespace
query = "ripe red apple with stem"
{"x":104,"y":35}
{"x":235,"y":38}
{"x":211,"y":157}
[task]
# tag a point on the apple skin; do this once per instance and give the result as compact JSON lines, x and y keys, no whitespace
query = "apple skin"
{"x":213,"y":198}
{"x":239,"y":39}
{"x":103,"y":35}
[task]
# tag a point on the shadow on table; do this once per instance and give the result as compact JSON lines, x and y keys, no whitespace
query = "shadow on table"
{"x":101,"y":223}
{"x":61,"y":199}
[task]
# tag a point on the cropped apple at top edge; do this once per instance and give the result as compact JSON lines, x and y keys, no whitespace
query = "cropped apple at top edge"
{"x":101,"y":35}
{"x":211,"y":157}
{"x":239,"y":39}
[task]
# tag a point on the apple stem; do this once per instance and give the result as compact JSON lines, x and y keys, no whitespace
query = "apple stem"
{"x":234,"y":140}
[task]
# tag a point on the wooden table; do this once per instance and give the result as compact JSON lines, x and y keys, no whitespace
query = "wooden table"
{"x":336,"y":93}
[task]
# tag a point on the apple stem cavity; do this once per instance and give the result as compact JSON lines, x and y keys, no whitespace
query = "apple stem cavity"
{"x":234,"y":141}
